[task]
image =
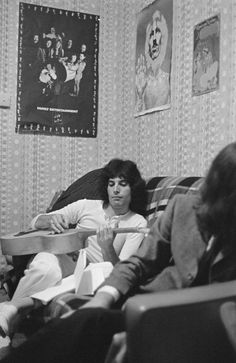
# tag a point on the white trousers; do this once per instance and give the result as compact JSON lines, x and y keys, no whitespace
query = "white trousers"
{"x":45,"y":270}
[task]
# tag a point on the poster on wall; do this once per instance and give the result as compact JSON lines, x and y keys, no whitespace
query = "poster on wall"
{"x":206,"y":56}
{"x":57,"y":87}
{"x":153,"y":57}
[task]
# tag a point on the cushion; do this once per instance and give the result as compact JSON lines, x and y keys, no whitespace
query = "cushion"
{"x":85,"y":187}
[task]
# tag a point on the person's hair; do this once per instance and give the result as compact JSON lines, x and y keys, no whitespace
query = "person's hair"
{"x":216,"y":211}
{"x":128,"y":170}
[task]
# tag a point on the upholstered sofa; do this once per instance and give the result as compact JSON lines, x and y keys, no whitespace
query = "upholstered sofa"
{"x":160,"y":190}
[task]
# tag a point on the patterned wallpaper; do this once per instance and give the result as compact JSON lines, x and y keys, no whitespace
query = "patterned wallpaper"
{"x":182,"y":140}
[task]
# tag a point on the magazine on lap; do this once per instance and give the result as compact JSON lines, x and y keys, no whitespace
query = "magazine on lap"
{"x":84,"y":281}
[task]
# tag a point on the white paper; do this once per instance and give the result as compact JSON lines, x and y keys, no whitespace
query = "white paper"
{"x":84,"y":281}
{"x":80,"y":267}
{"x":93,"y":276}
{"x":65,"y":285}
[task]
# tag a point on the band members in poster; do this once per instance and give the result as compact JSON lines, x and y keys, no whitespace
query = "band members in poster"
{"x":35,"y":58}
{"x":48,"y":78}
{"x":68,"y":49}
{"x":58,"y":51}
{"x":56,"y":87}
{"x":81,"y":64}
{"x":52,"y":66}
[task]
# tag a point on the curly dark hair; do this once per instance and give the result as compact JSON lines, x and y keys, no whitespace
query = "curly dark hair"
{"x":216,"y":211}
{"x":128,"y":170}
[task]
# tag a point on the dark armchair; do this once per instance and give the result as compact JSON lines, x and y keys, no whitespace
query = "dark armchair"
{"x":180,"y":326}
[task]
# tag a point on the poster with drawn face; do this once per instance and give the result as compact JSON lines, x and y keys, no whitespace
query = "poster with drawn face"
{"x":206,"y":55}
{"x":153,"y":57}
{"x":57,"y":88}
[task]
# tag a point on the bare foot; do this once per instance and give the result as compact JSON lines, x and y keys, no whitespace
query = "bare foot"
{"x":7,"y":314}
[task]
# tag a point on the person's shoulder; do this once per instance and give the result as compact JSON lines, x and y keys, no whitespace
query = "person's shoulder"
{"x":87,"y":204}
{"x":93,"y":202}
{"x":186,"y":198}
{"x":180,"y":207}
{"x":137,"y":217}
{"x":185,"y":201}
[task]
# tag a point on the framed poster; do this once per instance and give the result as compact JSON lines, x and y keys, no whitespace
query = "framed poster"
{"x":206,"y":56}
{"x":153,"y":57}
{"x":57,"y":88}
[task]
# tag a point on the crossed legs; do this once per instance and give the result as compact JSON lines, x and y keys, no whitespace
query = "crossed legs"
{"x":44,"y":271}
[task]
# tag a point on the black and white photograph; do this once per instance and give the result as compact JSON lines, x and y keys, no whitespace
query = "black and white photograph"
{"x":118,"y":181}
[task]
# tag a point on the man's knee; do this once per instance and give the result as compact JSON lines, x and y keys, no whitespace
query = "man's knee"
{"x":104,"y":321}
{"x":46,"y":265}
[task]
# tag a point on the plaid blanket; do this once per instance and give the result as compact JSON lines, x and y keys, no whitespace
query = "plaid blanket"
{"x":64,"y":304}
{"x":161,"y":190}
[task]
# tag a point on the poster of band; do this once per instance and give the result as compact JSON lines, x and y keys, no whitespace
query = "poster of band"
{"x":206,"y":54}
{"x":57,"y":88}
{"x":153,"y":57}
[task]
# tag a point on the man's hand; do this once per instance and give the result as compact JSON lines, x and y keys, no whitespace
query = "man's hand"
{"x":105,"y":239}
{"x":3,"y":264}
{"x":105,"y":236}
{"x":55,"y":222}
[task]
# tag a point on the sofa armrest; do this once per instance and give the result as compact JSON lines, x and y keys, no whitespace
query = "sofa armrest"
{"x":179,"y":326}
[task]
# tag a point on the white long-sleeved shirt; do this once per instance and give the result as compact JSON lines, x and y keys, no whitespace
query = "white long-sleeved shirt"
{"x":89,"y":214}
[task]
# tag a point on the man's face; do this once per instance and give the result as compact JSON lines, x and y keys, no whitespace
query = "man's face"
{"x":36,"y":38}
{"x":154,"y":42}
{"x":73,"y":58}
{"x":119,"y":193}
{"x":81,"y":56}
{"x":83,"y":48}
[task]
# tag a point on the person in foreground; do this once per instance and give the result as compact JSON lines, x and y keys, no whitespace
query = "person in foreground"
{"x":122,"y":193}
{"x":191,"y":244}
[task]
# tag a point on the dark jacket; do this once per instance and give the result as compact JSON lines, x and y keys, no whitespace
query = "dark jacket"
{"x":170,"y":254}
